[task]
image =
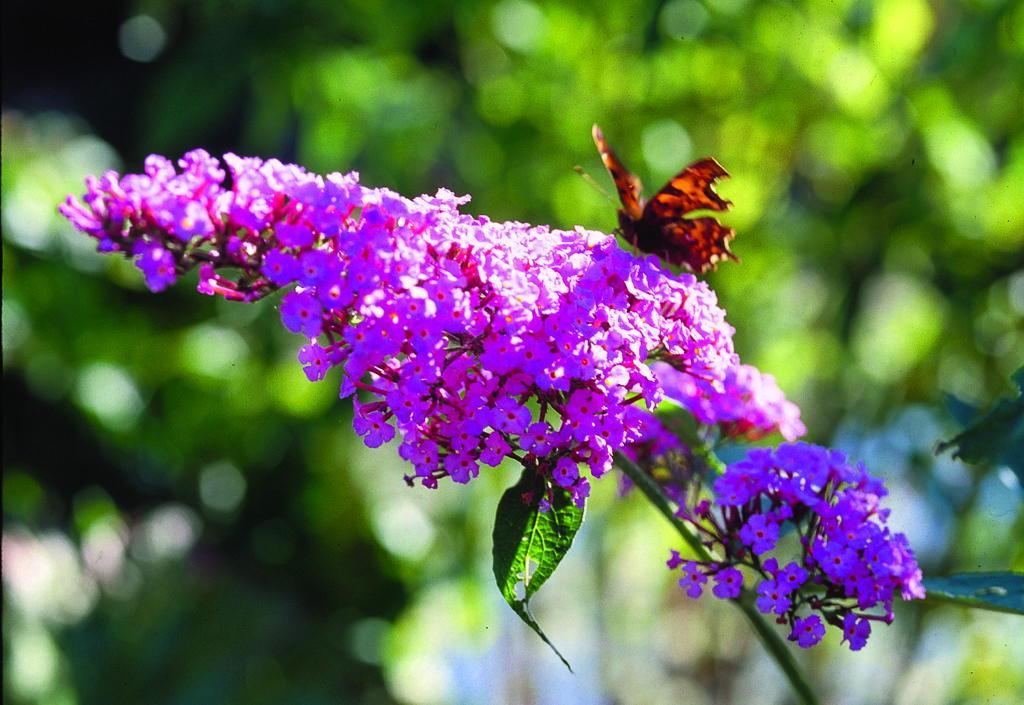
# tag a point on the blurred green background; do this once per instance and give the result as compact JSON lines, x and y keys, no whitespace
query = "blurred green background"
{"x":188,"y":520}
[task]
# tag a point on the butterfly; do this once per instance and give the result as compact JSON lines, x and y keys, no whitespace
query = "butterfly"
{"x":660,"y":226}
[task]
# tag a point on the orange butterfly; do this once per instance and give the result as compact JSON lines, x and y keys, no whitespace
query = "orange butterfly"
{"x":660,"y":225}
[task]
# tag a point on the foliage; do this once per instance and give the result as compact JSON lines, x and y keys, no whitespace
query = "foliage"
{"x":997,"y":436}
{"x":1000,"y":592}
{"x":530,"y":543}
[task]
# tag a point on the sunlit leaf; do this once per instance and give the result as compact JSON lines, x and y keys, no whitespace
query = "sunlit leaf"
{"x":529,"y":544}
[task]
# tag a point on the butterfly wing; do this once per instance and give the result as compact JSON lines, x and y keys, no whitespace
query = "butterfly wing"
{"x":698,"y":243}
{"x":664,"y":228}
{"x":661,"y":226}
{"x":692,"y":189}
{"x":628,"y":184}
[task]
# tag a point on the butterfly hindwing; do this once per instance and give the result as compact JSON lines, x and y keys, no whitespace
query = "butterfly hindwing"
{"x":661,"y":226}
{"x":698,"y":243}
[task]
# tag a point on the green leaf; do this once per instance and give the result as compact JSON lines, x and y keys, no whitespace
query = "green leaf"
{"x":999,"y":592}
{"x":962,"y":412}
{"x":996,"y":437}
{"x":529,"y":544}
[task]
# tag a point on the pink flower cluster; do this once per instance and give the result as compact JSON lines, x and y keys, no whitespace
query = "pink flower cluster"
{"x":745,"y":404}
{"x":476,"y":341}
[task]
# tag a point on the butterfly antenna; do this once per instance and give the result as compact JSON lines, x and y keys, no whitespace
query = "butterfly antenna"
{"x":590,"y":180}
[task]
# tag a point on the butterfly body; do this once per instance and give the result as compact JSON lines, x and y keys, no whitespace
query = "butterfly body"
{"x":660,"y":226}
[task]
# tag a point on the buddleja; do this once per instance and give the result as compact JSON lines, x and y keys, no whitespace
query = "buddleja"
{"x":481,"y":343}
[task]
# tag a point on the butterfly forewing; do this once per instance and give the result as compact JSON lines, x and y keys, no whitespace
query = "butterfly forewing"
{"x":627,"y":184}
{"x":661,"y":226}
{"x":691,"y":190}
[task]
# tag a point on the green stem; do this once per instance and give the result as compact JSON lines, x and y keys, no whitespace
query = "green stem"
{"x":745,"y":602}
{"x":777,"y":647}
{"x":659,"y":500}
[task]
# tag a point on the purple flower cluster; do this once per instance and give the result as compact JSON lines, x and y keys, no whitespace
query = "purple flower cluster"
{"x":477,"y":341}
{"x":845,"y":559}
